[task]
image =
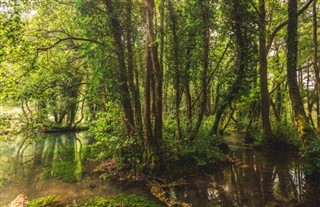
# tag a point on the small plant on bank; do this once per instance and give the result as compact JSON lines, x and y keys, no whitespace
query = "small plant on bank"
{"x":49,"y":201}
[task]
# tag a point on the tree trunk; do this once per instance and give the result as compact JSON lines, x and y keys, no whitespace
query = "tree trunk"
{"x":242,"y":59}
{"x":315,"y":62}
{"x":187,"y":83}
{"x":133,"y":88}
{"x":302,"y":122}
{"x":173,"y":18}
{"x":264,"y":74}
{"x":122,"y":77}
{"x":148,"y":148}
{"x":205,"y":61}
{"x":156,"y":142}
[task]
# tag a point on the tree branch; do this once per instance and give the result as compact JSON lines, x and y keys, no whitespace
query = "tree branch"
{"x":67,"y":39}
{"x":283,"y":24}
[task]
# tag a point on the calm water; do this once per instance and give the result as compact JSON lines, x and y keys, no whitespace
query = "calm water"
{"x":38,"y":168}
{"x":256,"y":178}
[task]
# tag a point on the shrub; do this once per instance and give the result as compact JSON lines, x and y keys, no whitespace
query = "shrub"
{"x":112,"y":140}
{"x":49,"y":201}
{"x":284,"y":135}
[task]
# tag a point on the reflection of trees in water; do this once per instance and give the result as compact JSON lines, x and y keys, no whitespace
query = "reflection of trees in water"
{"x":25,"y":162}
{"x":256,"y":179}
{"x":49,"y":151}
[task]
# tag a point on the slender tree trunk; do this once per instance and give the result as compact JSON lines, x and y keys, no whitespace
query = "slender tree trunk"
{"x":187,"y":83}
{"x":156,"y":142}
{"x":241,"y":62}
{"x":205,"y":61}
{"x":148,"y":150}
{"x":122,"y":77}
{"x":173,"y":18}
{"x":315,"y":62}
{"x":264,"y":74}
{"x":300,"y":116}
{"x":310,"y":102}
{"x":161,"y":55}
{"x":133,"y":88}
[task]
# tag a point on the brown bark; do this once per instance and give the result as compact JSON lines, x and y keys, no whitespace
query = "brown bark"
{"x":122,"y":75}
{"x":187,"y":82}
{"x":147,"y":112}
{"x":173,"y":18}
{"x":265,"y":109}
{"x":156,"y":141}
{"x":205,"y":61}
{"x":302,"y":122}
{"x":315,"y":62}
{"x":130,"y":59}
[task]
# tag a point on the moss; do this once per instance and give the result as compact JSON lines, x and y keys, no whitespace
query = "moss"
{"x":305,"y":130}
{"x":49,"y":201}
{"x":121,"y":200}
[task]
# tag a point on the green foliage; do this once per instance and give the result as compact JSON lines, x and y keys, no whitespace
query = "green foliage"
{"x":284,"y":135}
{"x":49,"y":201}
{"x":111,"y":138}
{"x":204,"y":149}
{"x":121,"y":200}
{"x":312,"y":155}
{"x":201,"y":151}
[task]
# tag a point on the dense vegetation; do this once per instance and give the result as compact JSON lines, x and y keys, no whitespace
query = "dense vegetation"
{"x":158,"y":81}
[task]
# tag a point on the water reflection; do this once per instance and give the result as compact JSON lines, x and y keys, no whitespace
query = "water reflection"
{"x":256,"y":178}
{"x":24,"y":163}
{"x":40,"y":167}
{"x":265,"y":178}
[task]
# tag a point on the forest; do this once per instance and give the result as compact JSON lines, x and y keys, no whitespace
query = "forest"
{"x":160,"y":86}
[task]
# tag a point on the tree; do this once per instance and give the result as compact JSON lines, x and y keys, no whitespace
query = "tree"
{"x":153,"y":155}
{"x":240,"y":20}
{"x":122,"y":75}
{"x":264,"y":72}
{"x":316,"y":62}
{"x":304,"y":128}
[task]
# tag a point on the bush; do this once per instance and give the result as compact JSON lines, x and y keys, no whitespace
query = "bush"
{"x":112,"y":140}
{"x":312,"y":155}
{"x":203,"y":149}
{"x":284,"y":135}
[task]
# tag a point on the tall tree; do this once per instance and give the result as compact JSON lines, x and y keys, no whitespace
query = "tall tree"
{"x":122,"y":75}
{"x":153,"y":155}
{"x":264,"y":72}
{"x":240,"y":19}
{"x":205,"y":34}
{"x":176,"y":65}
{"x":315,"y":62}
{"x":304,"y":128}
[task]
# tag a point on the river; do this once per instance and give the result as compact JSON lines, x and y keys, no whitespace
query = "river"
{"x":255,"y":178}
